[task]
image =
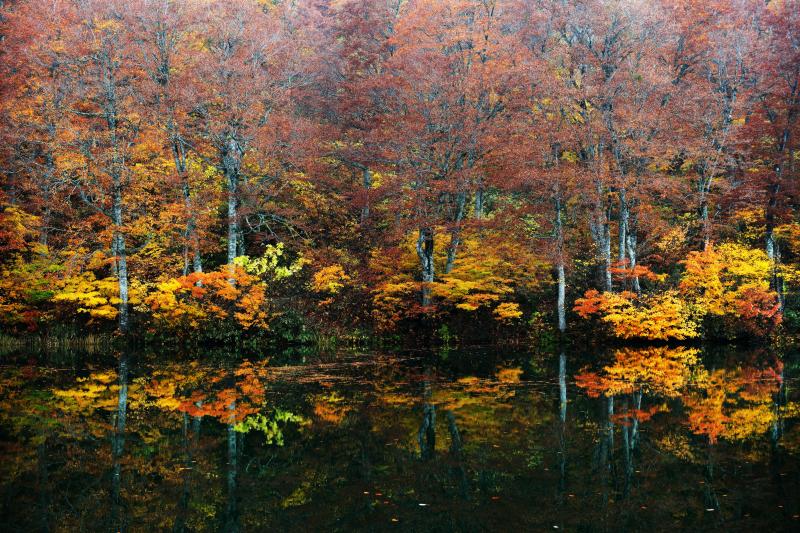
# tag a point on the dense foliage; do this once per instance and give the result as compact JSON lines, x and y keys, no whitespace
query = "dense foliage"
{"x":195,"y":167}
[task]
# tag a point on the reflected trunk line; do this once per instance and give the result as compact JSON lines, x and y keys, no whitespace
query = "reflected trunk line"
{"x":117,"y":448}
{"x":606,"y":455}
{"x":456,"y":445}
{"x":776,"y":456}
{"x":231,"y":513}
{"x":630,"y":435}
{"x":709,"y":492}
{"x":562,"y":435}
{"x":779,"y":403}
{"x":183,"y":503}
{"x":562,"y":386}
{"x":637,"y":402}
{"x":43,"y":486}
{"x":196,"y":421}
{"x":562,"y":415}
{"x":627,"y":448}
{"x":427,"y":429}
{"x":455,"y":436}
{"x":366,"y":464}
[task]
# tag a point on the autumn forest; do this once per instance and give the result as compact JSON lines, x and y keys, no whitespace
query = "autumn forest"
{"x":414,"y":265}
{"x":477,"y":169}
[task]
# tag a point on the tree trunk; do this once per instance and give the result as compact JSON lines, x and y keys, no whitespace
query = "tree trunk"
{"x":367,"y":184}
{"x":705,"y":223}
{"x":191,"y":238}
{"x":560,"y":305}
{"x":121,"y":257}
{"x":425,"y":253}
{"x":609,"y":285}
{"x":632,"y":258}
{"x":561,"y":301}
{"x":601,"y":234}
{"x":455,"y":233}
{"x":631,"y":246}
{"x":623,"y":227}
{"x":771,"y":246}
{"x":50,"y":172}
{"x":231,"y":164}
{"x":602,"y":240}
{"x":110,"y":115}
{"x":479,"y":201}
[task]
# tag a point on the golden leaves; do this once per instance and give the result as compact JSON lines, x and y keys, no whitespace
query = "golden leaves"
{"x":96,"y":297}
{"x":630,"y":316}
{"x":657,"y":370}
{"x":330,"y":279}
{"x":733,"y":404}
{"x":192,"y":300}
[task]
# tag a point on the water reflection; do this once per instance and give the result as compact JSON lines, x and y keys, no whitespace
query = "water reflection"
{"x":652,"y":438}
{"x":117,"y":447}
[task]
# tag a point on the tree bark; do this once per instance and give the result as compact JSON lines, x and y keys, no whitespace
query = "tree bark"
{"x":231,"y":164}
{"x":367,"y":184}
{"x":601,"y":234}
{"x":602,"y":238}
{"x":479,"y":201}
{"x":425,"y":254}
{"x":631,"y":245}
{"x":191,"y":237}
{"x":561,"y":299}
{"x":455,"y":233}
{"x":623,"y":227}
{"x":120,"y":253}
{"x":116,"y":168}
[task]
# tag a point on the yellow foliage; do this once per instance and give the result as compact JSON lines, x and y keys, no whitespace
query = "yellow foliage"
{"x":733,"y":404}
{"x":732,"y":280}
{"x":658,"y":370}
{"x":509,"y":375}
{"x":660,"y":316}
{"x":96,"y":297}
{"x":330,"y":279}
{"x":489,"y":269}
{"x":507,"y":311}
{"x":664,"y":371}
{"x":17,"y":229}
{"x":110,"y":25}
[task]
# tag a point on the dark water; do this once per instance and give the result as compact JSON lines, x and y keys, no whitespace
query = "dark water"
{"x":647,"y":440}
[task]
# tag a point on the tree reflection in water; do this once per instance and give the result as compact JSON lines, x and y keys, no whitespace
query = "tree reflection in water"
{"x":653,"y":438}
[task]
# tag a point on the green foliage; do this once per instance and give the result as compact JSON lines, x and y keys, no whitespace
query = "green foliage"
{"x":273,"y":264}
{"x":271,"y":426}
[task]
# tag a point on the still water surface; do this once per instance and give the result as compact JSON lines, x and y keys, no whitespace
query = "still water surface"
{"x":648,"y":439}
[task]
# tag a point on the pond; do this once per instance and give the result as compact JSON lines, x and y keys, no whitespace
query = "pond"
{"x":641,"y":439}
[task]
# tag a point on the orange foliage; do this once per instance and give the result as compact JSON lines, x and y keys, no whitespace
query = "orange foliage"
{"x":201,"y":297}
